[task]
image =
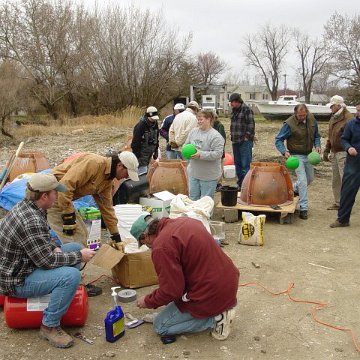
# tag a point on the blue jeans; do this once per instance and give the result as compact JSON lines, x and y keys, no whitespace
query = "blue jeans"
{"x":349,"y":187}
{"x":200,"y":188}
{"x":305,"y":175}
{"x":242,"y":159}
{"x":171,"y":321}
{"x":61,"y":283}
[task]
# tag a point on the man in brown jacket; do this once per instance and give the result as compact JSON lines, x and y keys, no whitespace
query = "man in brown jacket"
{"x":89,"y":174}
{"x":334,"y":151}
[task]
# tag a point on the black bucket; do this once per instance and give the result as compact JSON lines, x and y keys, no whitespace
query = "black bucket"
{"x":229,"y":195}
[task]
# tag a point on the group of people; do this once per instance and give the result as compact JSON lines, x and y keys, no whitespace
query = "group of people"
{"x":199,"y":293}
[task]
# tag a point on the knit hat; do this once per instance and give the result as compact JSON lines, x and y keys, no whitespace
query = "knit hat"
{"x":235,"y":97}
{"x":337,"y":100}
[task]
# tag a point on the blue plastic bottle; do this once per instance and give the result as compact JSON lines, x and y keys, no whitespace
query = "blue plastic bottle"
{"x":114,"y":321}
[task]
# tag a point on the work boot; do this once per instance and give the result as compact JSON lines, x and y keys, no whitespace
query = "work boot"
{"x":333,"y":207}
{"x":303,"y":214}
{"x":56,"y":336}
{"x":337,"y":223}
{"x":223,"y":322}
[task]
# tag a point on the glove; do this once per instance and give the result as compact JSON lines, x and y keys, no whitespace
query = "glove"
{"x":155,"y":155}
{"x":116,"y":237}
{"x":326,"y":155}
{"x":69,"y":223}
{"x":174,"y":145}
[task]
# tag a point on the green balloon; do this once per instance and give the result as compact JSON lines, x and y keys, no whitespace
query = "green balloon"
{"x":292,"y":162}
{"x":188,"y":150}
{"x":314,"y":158}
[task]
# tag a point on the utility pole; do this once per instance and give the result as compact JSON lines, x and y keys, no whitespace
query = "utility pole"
{"x":285,"y":83}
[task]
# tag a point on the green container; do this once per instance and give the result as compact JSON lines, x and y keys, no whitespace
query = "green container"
{"x":292,"y":162}
{"x":314,"y":158}
{"x":188,"y":150}
{"x":90,"y":213}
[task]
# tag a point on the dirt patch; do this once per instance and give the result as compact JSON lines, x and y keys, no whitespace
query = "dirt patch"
{"x":321,"y":262}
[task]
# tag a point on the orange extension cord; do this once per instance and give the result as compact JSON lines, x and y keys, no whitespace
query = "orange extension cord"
{"x":317,"y":306}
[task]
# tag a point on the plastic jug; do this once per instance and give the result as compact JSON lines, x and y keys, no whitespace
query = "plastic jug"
{"x":114,"y":321}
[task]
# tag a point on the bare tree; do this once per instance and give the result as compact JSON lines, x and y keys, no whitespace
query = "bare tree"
{"x":313,"y":58}
{"x":209,"y":67}
{"x":265,"y":51}
{"x":11,"y":87}
{"x":46,"y":39}
{"x":343,"y":36}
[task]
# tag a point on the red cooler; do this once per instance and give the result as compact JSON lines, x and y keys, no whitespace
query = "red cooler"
{"x":22,"y":313}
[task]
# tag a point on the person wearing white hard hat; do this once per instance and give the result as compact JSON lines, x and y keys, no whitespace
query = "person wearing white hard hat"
{"x":334,"y":151}
{"x":145,"y":141}
{"x":165,"y":126}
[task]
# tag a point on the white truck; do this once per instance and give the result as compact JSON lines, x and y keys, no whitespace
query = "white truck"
{"x":209,"y":102}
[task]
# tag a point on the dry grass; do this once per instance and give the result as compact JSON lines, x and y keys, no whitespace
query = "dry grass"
{"x":125,"y":119}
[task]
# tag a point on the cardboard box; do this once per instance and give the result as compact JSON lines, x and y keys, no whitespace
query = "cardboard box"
{"x":159,"y":202}
{"x":132,"y":270}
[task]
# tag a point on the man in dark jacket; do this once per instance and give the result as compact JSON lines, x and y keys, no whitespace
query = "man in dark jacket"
{"x":301,"y":134}
{"x":198,"y":283}
{"x":334,"y":150}
{"x":350,"y":140}
{"x":145,"y":142}
{"x":242,"y":132}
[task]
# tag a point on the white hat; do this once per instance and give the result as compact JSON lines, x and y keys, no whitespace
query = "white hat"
{"x":179,"y":106}
{"x":152,"y":113}
{"x":45,"y":182}
{"x":193,"y":104}
{"x":129,"y":160}
{"x":337,"y":100}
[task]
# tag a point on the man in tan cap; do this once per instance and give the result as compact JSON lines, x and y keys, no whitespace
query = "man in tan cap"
{"x":30,"y":263}
{"x":181,"y":126}
{"x":89,"y":174}
{"x":334,"y":150}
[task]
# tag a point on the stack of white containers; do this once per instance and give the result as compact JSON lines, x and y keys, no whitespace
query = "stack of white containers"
{"x":127,"y":214}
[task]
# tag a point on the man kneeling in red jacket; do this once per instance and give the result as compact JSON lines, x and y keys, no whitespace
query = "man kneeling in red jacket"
{"x":197,"y":282}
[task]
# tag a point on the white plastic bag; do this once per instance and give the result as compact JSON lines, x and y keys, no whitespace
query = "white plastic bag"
{"x":252,"y":229}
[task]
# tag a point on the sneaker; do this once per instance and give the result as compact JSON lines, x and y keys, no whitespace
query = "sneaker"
{"x":56,"y":336}
{"x":337,"y":223}
{"x":333,"y":207}
{"x":222,"y":327}
{"x":303,"y":214}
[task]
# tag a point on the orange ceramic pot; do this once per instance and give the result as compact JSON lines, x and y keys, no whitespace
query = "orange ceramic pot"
{"x":168,"y":175}
{"x":267,"y":184}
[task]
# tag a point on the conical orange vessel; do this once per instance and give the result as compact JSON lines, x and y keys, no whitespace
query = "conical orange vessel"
{"x":168,"y":175}
{"x":267,"y":184}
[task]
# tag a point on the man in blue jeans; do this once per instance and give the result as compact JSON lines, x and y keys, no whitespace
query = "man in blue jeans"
{"x":242,"y":132}
{"x":32,"y":265}
{"x":301,"y":134}
{"x":198,"y":283}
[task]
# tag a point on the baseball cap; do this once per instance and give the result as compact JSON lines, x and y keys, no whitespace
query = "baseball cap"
{"x":44,"y":182}
{"x":152,"y":113}
{"x":140,"y":225}
{"x":337,"y":100}
{"x":179,"y":106}
{"x":129,"y":160}
{"x":193,"y":104}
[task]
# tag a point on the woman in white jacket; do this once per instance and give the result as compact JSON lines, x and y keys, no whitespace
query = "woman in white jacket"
{"x":204,"y":167}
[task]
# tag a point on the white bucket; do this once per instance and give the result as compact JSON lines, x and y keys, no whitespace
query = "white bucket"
{"x":229,"y":171}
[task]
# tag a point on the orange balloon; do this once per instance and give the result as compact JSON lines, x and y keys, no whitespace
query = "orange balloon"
{"x":228,"y":160}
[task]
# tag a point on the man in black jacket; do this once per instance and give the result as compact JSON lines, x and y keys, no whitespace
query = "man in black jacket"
{"x":145,"y":142}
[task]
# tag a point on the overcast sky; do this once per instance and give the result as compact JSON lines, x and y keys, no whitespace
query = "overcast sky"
{"x":220,"y":25}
